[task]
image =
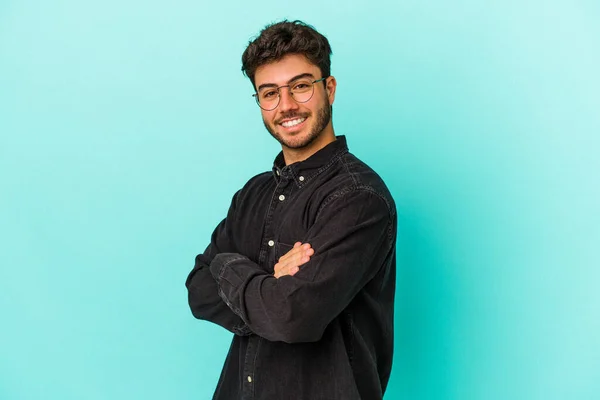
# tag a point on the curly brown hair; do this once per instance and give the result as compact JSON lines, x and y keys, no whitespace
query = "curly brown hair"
{"x":279,"y":39}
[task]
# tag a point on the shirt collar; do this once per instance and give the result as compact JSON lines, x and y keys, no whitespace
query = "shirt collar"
{"x":303,"y":171}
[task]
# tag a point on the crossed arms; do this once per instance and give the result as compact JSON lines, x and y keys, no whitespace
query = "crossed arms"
{"x":345,"y":248}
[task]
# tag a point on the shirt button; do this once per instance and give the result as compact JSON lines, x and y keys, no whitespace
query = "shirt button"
{"x":249,"y":379}
{"x":281,"y":198}
{"x":271,"y":243}
{"x":301,"y":179}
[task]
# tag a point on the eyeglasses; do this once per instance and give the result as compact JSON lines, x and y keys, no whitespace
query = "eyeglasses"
{"x":301,"y":91}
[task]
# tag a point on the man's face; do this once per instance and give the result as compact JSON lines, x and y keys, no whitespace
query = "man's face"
{"x":313,"y":116}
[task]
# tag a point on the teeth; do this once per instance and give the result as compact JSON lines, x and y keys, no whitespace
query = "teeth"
{"x":294,"y":122}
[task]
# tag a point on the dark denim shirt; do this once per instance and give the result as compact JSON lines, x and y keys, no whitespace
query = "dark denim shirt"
{"x":327,"y":331}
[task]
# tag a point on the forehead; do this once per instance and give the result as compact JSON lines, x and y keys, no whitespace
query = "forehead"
{"x":281,"y":71}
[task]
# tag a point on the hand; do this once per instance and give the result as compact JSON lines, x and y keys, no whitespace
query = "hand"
{"x":290,"y":262}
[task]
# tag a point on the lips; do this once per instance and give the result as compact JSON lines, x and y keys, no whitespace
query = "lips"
{"x":292,"y":122}
{"x":290,"y":116}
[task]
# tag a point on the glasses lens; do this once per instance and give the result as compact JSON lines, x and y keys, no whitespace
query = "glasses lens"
{"x":268,"y":99}
{"x":302,"y":90}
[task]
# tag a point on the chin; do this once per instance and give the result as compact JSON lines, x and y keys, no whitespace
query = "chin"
{"x":297,"y":141}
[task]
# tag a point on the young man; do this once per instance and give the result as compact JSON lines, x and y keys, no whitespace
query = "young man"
{"x":302,"y":269}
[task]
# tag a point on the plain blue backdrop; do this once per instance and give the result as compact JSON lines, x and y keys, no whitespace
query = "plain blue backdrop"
{"x":126,"y":127}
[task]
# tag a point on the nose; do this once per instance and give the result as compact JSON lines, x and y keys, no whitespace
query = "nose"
{"x":286,"y":101}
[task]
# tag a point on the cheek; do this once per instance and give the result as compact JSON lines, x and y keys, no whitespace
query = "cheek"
{"x":318,"y":104}
{"x":267,"y":116}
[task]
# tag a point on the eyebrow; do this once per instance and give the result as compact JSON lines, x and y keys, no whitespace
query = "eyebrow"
{"x":304,"y":75}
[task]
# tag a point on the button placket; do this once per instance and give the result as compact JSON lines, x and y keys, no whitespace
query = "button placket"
{"x":268,"y":231}
{"x":253,"y":346}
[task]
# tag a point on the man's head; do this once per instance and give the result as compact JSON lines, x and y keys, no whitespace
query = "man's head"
{"x":278,"y":40}
{"x":280,"y":62}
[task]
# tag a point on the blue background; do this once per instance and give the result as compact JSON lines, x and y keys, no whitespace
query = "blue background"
{"x":126,"y":127}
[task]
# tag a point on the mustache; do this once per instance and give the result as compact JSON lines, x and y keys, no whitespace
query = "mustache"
{"x":290,"y":115}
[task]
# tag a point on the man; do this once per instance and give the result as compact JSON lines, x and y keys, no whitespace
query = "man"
{"x":302,"y":269}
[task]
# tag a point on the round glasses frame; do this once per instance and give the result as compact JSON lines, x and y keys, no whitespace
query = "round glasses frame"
{"x":255,"y":95}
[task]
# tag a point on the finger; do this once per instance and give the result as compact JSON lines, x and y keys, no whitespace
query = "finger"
{"x":286,"y":271}
{"x":297,"y":248}
{"x":290,"y":262}
{"x":289,"y":253}
{"x":299,"y":255}
{"x":279,"y":272}
{"x":292,"y":258}
{"x":291,"y":265}
{"x":279,"y":266}
{"x":296,"y":259}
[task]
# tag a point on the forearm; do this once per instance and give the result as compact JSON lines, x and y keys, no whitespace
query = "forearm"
{"x":206,"y":304}
{"x":352,"y":241}
{"x":271,"y":308}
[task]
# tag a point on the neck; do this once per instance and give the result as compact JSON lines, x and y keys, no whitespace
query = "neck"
{"x":292,"y":156}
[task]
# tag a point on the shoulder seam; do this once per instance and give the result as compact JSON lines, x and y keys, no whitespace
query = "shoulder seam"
{"x":354,"y":188}
{"x":366,"y":188}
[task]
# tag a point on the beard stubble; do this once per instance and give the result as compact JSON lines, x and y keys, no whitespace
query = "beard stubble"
{"x":322,"y":120}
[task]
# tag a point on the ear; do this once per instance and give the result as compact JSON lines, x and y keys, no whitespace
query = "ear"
{"x":330,"y":87}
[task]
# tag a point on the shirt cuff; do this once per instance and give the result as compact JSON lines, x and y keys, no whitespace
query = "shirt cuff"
{"x":220,"y":265}
{"x":227,"y":278}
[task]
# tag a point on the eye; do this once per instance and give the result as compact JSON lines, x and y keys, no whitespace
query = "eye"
{"x":301,"y":86}
{"x":269,"y":94}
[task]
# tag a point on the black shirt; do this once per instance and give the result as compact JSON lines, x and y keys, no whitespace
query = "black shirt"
{"x":327,"y":331}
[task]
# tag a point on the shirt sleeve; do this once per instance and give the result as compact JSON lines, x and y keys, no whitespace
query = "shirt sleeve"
{"x":203,"y":291}
{"x":352,"y":237}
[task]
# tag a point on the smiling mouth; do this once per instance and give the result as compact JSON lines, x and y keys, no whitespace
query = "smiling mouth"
{"x":293,"y":122}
